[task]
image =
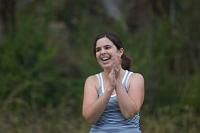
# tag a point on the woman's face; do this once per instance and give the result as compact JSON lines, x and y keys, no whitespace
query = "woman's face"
{"x":107,"y":54}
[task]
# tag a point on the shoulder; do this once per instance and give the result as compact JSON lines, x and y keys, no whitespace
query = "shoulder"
{"x":92,"y":79}
{"x":137,"y":77}
{"x":91,"y":83}
{"x":136,"y":82}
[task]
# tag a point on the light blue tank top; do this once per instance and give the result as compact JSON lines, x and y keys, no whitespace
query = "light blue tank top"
{"x":112,"y":120}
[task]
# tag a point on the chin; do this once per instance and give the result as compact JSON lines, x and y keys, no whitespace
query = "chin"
{"x":107,"y":66}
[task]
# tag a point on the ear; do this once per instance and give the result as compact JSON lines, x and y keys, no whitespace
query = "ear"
{"x":121,"y":51}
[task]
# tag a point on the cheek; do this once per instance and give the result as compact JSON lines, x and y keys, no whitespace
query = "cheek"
{"x":117,"y":57}
{"x":97,"y":57}
{"x":116,"y":54}
{"x":119,"y":54}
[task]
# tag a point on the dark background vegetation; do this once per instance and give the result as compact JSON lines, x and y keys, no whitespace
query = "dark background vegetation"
{"x":46,"y":55}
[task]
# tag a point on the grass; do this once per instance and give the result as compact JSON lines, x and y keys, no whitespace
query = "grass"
{"x":170,"y":119}
{"x":160,"y":120}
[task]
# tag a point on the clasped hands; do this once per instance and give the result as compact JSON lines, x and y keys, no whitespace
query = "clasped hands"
{"x":114,"y":75}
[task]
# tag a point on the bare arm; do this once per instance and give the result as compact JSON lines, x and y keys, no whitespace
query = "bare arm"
{"x":93,"y":106}
{"x":131,"y":102}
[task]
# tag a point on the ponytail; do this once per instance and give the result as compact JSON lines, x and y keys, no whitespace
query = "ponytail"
{"x":126,"y":62}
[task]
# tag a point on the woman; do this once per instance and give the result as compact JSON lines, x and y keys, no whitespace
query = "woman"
{"x":113,"y":98}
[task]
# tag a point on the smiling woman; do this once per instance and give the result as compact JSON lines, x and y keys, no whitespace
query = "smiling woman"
{"x":113,"y":98}
{"x":107,"y":53}
{"x":113,"y":40}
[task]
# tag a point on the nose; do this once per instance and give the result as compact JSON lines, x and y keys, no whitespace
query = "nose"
{"x":102,"y":51}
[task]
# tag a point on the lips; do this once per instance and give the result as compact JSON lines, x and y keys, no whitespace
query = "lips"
{"x":105,"y":58}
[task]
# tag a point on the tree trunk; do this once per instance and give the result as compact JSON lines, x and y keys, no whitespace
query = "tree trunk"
{"x":7,"y":16}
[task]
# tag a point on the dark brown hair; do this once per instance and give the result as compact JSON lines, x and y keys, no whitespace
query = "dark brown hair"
{"x":126,"y":62}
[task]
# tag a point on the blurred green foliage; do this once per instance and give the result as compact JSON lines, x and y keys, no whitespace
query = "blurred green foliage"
{"x":45,"y":60}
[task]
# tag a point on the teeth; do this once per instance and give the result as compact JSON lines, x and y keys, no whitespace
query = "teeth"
{"x":105,"y":58}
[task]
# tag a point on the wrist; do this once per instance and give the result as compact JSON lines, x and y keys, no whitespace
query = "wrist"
{"x":109,"y":91}
{"x":118,"y":84}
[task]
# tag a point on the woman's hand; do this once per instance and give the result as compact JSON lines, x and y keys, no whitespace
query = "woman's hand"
{"x":113,"y":79}
{"x":115,"y":72}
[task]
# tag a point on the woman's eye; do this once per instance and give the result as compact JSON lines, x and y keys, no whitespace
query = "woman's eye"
{"x":107,"y":47}
{"x":98,"y":49}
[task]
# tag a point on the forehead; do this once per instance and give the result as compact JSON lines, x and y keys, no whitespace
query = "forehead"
{"x":103,"y":41}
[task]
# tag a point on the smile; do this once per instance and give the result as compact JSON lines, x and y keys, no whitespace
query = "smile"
{"x":105,"y":58}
